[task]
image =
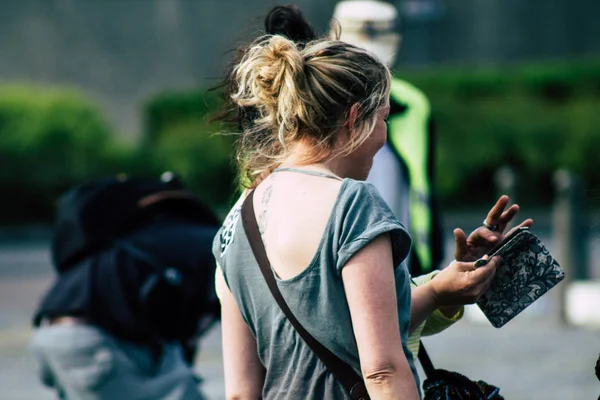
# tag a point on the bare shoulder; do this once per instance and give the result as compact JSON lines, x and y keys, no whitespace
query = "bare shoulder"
{"x":292,"y":215}
{"x":296,"y":189}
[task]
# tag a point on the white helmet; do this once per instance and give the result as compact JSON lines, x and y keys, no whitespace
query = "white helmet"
{"x":370,"y":24}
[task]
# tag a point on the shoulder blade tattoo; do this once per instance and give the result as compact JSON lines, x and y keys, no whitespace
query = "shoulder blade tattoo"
{"x":266,"y":197}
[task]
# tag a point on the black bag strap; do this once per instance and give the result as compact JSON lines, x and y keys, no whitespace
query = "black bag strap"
{"x":161,"y":272}
{"x":351,"y":381}
{"x":425,"y":361}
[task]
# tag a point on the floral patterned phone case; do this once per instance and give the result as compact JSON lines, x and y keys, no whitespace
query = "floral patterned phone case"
{"x":527,"y":271}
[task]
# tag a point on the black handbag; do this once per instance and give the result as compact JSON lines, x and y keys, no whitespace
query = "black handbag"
{"x":445,"y":385}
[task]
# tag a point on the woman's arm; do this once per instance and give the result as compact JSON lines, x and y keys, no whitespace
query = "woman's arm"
{"x":459,"y":283}
{"x":422,"y":304}
{"x":371,"y":292}
{"x":244,"y":373}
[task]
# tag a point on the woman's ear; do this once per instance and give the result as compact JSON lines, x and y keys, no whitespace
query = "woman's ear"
{"x":347,"y":133}
{"x":351,"y":122}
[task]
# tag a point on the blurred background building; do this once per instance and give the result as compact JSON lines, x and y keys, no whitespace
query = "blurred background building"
{"x":121,"y":51}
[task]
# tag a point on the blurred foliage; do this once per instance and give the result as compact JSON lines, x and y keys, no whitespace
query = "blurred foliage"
{"x":534,"y":118}
{"x":201,"y":157}
{"x":50,"y":139}
{"x":179,"y":136}
{"x":170,"y":110}
{"x":54,"y":138}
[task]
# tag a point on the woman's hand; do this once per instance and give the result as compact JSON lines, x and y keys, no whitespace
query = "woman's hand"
{"x":461,"y":283}
{"x":483,"y":239}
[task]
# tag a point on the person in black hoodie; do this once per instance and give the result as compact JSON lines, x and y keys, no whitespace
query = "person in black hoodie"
{"x":134,"y":285}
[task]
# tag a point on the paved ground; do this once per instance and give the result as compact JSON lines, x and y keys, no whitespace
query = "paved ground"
{"x":531,"y":358}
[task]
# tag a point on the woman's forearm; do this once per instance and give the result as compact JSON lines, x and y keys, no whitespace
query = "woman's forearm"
{"x":392,"y":383}
{"x":422,"y":304}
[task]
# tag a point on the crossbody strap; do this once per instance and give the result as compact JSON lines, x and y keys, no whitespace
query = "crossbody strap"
{"x":351,"y":381}
{"x":425,"y":361}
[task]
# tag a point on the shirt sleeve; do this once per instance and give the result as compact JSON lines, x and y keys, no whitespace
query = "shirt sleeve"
{"x":218,"y":241}
{"x":365,"y":216}
{"x":435,"y":323}
{"x":438,"y":322}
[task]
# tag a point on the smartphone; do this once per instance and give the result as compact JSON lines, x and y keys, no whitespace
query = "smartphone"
{"x":498,"y":249}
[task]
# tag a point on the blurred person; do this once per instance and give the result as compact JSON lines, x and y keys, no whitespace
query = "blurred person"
{"x":403,"y":170}
{"x":133,"y":294}
{"x":313,"y":115}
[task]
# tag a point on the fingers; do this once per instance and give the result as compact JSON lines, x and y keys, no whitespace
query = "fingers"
{"x":483,"y":237}
{"x":486,"y":271}
{"x":496,"y":212}
{"x":527,"y":223}
{"x":478,"y":264}
{"x":500,"y":217}
{"x":481,"y":262}
{"x":491,"y":264}
{"x":479,"y":242}
{"x":461,"y":249}
{"x":506,"y":217}
{"x":476,"y":280}
{"x":485,"y":275}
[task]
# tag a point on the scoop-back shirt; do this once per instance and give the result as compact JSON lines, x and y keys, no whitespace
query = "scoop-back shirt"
{"x":316,"y":296}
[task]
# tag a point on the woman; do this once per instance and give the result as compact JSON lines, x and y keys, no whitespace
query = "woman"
{"x":288,"y":21}
{"x":335,"y":247}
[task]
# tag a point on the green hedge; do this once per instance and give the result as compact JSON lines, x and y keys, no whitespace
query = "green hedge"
{"x":54,"y":138}
{"x":50,"y":139}
{"x":201,"y":157}
{"x":535,"y":118}
{"x":170,"y":109}
{"x":180,"y":136}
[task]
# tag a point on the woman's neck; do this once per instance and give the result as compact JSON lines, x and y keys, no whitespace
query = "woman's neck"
{"x":299,"y":159}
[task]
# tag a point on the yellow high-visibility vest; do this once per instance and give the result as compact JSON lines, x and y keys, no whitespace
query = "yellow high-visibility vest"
{"x":409,"y":137}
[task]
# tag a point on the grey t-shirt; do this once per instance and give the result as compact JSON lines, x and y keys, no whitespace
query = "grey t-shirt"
{"x":316,"y":296}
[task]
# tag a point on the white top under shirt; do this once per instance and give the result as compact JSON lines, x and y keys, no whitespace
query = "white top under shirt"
{"x":389,"y":177}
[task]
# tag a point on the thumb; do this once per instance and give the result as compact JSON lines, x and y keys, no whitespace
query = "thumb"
{"x":488,"y":269}
{"x":461,"y":250}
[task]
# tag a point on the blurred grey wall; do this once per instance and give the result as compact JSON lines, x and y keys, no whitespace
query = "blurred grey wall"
{"x":122,"y":51}
{"x":480,"y":32}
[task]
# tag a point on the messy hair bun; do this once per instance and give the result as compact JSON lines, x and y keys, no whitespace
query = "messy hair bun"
{"x":289,"y":85}
{"x":268,"y":79}
{"x":286,"y":21}
{"x":303,"y":94}
{"x":289,"y":22}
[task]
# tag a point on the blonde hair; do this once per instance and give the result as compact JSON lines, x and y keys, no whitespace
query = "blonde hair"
{"x":303,"y":94}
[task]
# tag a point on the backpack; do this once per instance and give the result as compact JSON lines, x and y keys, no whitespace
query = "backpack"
{"x":102,"y":215}
{"x":90,"y":216}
